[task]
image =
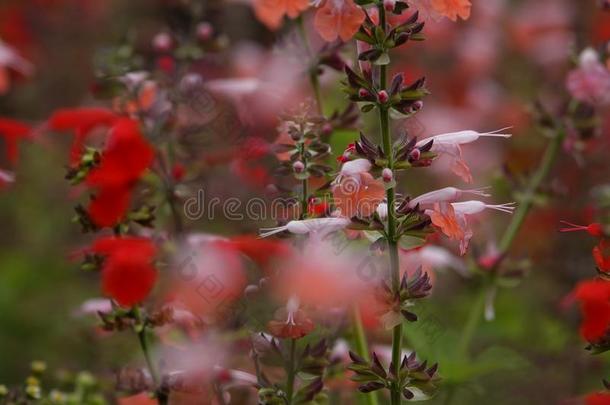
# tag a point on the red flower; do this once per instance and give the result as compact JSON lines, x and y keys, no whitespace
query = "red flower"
{"x":601,"y":254}
{"x":13,"y":131}
{"x":594,"y":298}
{"x":82,"y":121}
{"x":598,"y":398}
{"x":126,"y":156}
{"x":128,"y":275}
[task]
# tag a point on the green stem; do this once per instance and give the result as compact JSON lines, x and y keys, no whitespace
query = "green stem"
{"x":546,"y":164}
{"x":472,"y":322}
{"x":362,"y":348}
{"x":142,"y":338}
{"x":384,"y":122}
{"x":313,"y":68}
{"x":291,"y":371}
{"x":550,"y":155}
{"x":304,"y":183}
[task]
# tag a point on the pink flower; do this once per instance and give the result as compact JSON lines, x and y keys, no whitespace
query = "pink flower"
{"x":590,"y":82}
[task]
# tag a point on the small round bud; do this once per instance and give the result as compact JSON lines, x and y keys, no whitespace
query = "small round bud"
{"x":418,"y":105}
{"x":389,"y":5}
{"x":383,"y":97}
{"x":327,"y":129}
{"x":205,"y":31}
{"x":363,"y":93}
{"x":415,"y":154}
{"x":262,"y":283}
{"x":162,"y":42}
{"x":387,"y":175}
{"x":298,"y":167}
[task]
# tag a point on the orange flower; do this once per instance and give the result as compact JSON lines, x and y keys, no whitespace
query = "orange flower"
{"x":338,"y":18}
{"x":271,"y":12}
{"x":452,"y":9}
{"x":358,"y":195}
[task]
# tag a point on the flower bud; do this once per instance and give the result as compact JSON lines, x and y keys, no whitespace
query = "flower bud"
{"x":383,"y":97}
{"x":162,"y":42}
{"x":298,"y":167}
{"x":389,"y":5}
{"x":387,"y":175}
{"x":204,"y":31}
{"x":363,"y":93}
{"x":418,"y":105}
{"x":327,"y":129}
{"x":414,"y":155}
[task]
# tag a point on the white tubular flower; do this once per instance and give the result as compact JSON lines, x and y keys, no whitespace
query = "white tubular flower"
{"x":445,"y":194}
{"x":319,"y":227}
{"x":354,"y":168}
{"x":475,"y":207}
{"x":460,"y":138}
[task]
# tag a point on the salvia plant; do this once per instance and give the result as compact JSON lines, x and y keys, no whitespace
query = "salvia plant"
{"x":315,"y":302}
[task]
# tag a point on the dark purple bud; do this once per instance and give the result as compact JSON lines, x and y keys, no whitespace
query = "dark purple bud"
{"x":414,"y":155}
{"x":389,"y":5}
{"x":364,"y":93}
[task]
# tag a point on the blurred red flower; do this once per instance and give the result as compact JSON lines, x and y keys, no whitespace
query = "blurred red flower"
{"x":598,"y":398}
{"x":82,"y":121}
{"x":126,"y":156}
{"x":594,"y":298}
{"x":128,"y":274}
{"x":13,"y":131}
{"x":601,"y":254}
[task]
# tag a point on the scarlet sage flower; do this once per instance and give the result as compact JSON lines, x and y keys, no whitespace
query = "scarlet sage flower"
{"x":126,"y":156}
{"x":272,"y":12}
{"x":128,"y":274}
{"x":451,"y":218}
{"x":82,"y":121}
{"x":598,"y":398}
{"x":450,"y":144}
{"x":594,"y":229}
{"x":13,"y":131}
{"x":338,"y":19}
{"x":601,"y":254}
{"x":262,"y":252}
{"x":594,"y":299}
{"x":355,"y":191}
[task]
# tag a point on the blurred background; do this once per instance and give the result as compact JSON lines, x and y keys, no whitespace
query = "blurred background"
{"x":484,"y":74}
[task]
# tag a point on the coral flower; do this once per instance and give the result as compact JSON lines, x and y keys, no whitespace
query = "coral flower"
{"x":452,"y":9}
{"x":601,"y":254}
{"x":128,"y":275}
{"x":13,"y":131}
{"x":126,"y":156}
{"x":594,"y":298}
{"x":271,"y":12}
{"x":355,"y":191}
{"x":338,"y":18}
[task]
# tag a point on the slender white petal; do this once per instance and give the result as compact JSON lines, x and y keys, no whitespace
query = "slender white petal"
{"x":475,"y":207}
{"x":445,"y":194}
{"x":318,"y":226}
{"x":461,"y":137}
